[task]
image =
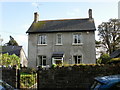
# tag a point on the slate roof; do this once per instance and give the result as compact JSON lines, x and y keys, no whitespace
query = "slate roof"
{"x":64,"y":25}
{"x":115,"y":54}
{"x":11,"y":50}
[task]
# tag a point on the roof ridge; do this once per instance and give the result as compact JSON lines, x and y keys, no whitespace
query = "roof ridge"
{"x":66,"y":19}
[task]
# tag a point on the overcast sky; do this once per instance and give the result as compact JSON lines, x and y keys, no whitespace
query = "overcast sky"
{"x":16,"y":17}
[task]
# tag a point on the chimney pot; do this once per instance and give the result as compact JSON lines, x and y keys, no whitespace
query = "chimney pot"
{"x":36,"y":17}
{"x":90,"y":13}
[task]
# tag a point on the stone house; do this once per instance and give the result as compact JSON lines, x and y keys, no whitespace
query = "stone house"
{"x":65,"y":41}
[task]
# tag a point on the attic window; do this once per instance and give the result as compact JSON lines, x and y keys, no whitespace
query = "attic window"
{"x":42,"y":40}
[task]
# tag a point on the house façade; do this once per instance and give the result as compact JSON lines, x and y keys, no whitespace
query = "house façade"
{"x":65,"y":41}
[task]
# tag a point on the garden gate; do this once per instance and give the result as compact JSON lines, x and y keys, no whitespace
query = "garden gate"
{"x":28,"y":80}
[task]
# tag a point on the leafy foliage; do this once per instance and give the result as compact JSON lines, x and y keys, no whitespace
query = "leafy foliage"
{"x":9,"y":60}
{"x":104,"y":59}
{"x":12,"y":42}
{"x":27,"y":80}
{"x":114,"y":60}
{"x":109,"y":33}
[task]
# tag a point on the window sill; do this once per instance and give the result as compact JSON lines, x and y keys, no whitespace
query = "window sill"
{"x":59,"y":44}
{"x":77,"y":44}
{"x":42,"y":44}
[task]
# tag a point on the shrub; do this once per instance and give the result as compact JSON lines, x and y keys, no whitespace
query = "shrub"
{"x":9,"y":60}
{"x":28,"y":70}
{"x":104,"y":58}
{"x":114,"y":60}
{"x":53,"y":66}
{"x":27,"y":80}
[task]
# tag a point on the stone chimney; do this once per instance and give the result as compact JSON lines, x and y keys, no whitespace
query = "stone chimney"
{"x":36,"y":17}
{"x":90,"y":13}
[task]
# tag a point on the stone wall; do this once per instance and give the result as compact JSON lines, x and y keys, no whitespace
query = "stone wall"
{"x":9,"y":75}
{"x":75,"y":76}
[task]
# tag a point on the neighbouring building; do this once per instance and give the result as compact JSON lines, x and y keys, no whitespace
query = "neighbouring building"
{"x":119,"y":10}
{"x":100,"y":49}
{"x":65,"y":41}
{"x":17,"y":50}
{"x":115,"y":54}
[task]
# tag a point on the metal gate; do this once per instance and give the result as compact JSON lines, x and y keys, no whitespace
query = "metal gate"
{"x":28,"y":80}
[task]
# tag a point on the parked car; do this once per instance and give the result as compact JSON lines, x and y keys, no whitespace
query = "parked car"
{"x":5,"y":86}
{"x":111,"y":82}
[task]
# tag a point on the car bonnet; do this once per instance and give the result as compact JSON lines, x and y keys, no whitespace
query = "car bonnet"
{"x":108,"y":79}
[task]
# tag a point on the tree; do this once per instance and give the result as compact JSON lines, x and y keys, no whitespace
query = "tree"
{"x":6,"y":60}
{"x":12,"y":42}
{"x":109,"y":33}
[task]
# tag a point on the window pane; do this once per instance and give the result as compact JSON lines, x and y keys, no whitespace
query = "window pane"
{"x":39,"y":40}
{"x":40,"y":60}
{"x":59,"y":38}
{"x":75,"y":38}
{"x":79,"y":57}
{"x":75,"y":58}
{"x":45,"y":39}
{"x":78,"y":38}
{"x":44,"y":57}
{"x":79,"y":61}
{"x":44,"y":62}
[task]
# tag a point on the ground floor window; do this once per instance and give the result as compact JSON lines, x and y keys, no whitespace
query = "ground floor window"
{"x":41,"y":60}
{"x":57,"y":60}
{"x":77,"y":59}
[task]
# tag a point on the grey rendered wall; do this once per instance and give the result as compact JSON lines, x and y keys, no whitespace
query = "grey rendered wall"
{"x":32,"y":43}
{"x":87,"y":49}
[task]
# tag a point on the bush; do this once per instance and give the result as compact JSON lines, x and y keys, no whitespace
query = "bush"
{"x":9,"y":60}
{"x":114,"y":60}
{"x":104,"y":59}
{"x":53,"y":66}
{"x":28,"y":70}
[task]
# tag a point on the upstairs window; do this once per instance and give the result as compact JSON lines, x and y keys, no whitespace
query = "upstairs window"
{"x":42,"y":39}
{"x":59,"y":39}
{"x":76,"y":38}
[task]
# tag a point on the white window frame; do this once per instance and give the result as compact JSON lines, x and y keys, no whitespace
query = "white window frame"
{"x":78,"y":57}
{"x":78,"y":39}
{"x":42,"y":39}
{"x":41,"y":61}
{"x":57,"y":39}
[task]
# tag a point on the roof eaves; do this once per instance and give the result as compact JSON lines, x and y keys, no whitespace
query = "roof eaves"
{"x":51,"y":31}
